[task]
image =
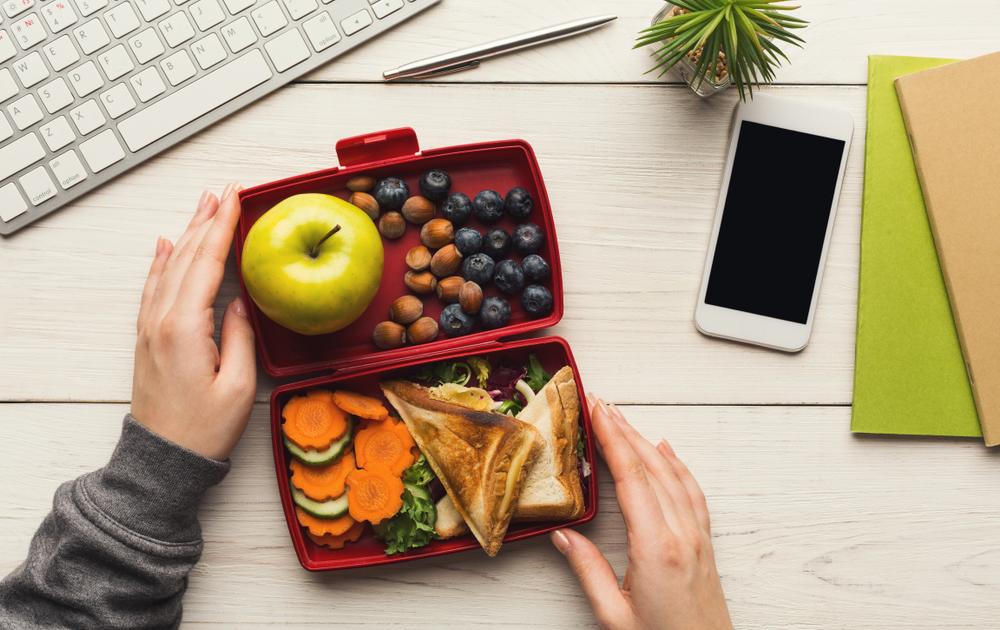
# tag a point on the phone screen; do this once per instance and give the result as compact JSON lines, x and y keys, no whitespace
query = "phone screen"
{"x":774,"y":222}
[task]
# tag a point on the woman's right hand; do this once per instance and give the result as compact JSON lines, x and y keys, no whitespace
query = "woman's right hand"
{"x":671,"y":582}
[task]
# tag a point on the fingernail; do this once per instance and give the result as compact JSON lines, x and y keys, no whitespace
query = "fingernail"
{"x":203,"y":199}
{"x":591,"y":400}
{"x":226,"y":191}
{"x":561,"y":541}
{"x":159,"y":245}
{"x":239,"y":307}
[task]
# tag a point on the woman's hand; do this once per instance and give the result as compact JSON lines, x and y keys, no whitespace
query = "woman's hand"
{"x":184,"y":387}
{"x":671,"y":581}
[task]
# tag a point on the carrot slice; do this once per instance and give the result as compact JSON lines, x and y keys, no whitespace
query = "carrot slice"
{"x":324,"y":526}
{"x":374,"y":495}
{"x":360,"y":405}
{"x":313,"y":421}
{"x":321,"y":483}
{"x":387,"y":444}
{"x":338,"y":542}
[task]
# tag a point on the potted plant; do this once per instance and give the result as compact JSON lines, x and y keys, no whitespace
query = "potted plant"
{"x":716,"y":43}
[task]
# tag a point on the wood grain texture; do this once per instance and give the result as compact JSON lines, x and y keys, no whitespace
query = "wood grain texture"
{"x":633,"y":173}
{"x":814,"y":528}
{"x":839,"y":39}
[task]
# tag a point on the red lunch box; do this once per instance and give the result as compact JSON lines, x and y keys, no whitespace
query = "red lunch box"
{"x":348,"y":359}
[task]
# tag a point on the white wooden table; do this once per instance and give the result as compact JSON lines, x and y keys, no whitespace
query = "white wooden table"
{"x":814,"y":527}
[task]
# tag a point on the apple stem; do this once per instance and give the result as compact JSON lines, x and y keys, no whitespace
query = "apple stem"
{"x":314,"y":252}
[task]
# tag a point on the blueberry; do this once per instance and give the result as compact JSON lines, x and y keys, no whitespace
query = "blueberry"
{"x":457,"y":208}
{"x":478,"y":268}
{"x":518,"y":203}
{"x":488,"y":206}
{"x":495,"y":312}
{"x":535,"y":268}
{"x":435,"y":185}
{"x":537,"y":300}
{"x":391,"y":193}
{"x":528,"y":238}
{"x":455,"y":322}
{"x":496,"y":244}
{"x":468,"y":241}
{"x":509,"y":277}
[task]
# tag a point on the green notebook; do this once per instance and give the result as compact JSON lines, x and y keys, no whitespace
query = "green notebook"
{"x":909,"y":375}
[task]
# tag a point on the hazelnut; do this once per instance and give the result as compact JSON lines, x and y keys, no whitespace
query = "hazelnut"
{"x":418,"y":210}
{"x":418,"y":258}
{"x":448,"y":288}
{"x":446,"y":261}
{"x":389,"y":335}
{"x":392,"y":225}
{"x":406,"y":309}
{"x":423,"y":330}
{"x":367,"y":203}
{"x":437,"y":233}
{"x":470,"y":297}
{"x":361,"y":183}
{"x":421,"y":283}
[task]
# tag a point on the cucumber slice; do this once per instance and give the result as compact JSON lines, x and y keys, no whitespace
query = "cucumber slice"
{"x":326,"y":456}
{"x":321,"y":509}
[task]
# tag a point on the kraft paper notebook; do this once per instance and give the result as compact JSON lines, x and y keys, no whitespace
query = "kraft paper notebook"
{"x":952,"y":118}
{"x":909,"y":375}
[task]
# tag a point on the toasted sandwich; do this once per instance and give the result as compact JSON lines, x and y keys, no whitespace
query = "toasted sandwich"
{"x":480,"y":457}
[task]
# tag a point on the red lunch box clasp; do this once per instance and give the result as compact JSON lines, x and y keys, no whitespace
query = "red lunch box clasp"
{"x":376,"y":147}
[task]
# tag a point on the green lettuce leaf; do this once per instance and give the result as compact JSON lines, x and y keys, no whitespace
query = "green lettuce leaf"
{"x":419,"y":474}
{"x":537,"y":377}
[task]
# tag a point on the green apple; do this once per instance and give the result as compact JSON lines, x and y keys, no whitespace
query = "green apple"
{"x":313,"y":263}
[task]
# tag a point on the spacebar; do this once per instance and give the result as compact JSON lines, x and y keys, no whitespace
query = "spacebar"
{"x":197,"y":99}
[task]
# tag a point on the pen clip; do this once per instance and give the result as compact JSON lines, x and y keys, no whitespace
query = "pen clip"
{"x":442,"y":71}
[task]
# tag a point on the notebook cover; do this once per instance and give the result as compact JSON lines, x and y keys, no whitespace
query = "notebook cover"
{"x":909,"y":376}
{"x":951,"y":115}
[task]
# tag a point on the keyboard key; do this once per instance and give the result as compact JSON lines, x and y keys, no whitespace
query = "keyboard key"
{"x":28,"y":31}
{"x":239,"y":34}
{"x":385,"y":8}
{"x":147,"y":84}
{"x":88,"y":7}
{"x":37,"y":185}
{"x":102,"y":151}
{"x":6,"y":130}
{"x":7,"y":49}
{"x":146,"y":45}
{"x":8,"y":87}
{"x":321,"y":31}
{"x":57,"y":133}
{"x":176,"y":29}
{"x":87,"y":117}
{"x":25,"y":111}
{"x":361,"y":19}
{"x":122,"y":19}
{"x":61,"y":53}
{"x":208,"y":51}
{"x":17,"y":7}
{"x":235,"y":6}
{"x":85,"y":79}
{"x":91,"y":36}
{"x":287,"y":50}
{"x":152,"y":9}
{"x":31,"y":69}
{"x":19,"y":154}
{"x":68,"y":170}
{"x":55,"y":95}
{"x":59,"y":15}
{"x":298,"y":9}
{"x":197,"y":99}
{"x":269,"y":18}
{"x":206,"y":13}
{"x":116,"y":62}
{"x":178,"y":67}
{"x":11,"y":203}
{"x":118,"y":100}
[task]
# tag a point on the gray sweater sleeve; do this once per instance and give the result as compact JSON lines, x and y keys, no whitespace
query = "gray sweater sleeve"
{"x":116,"y":550}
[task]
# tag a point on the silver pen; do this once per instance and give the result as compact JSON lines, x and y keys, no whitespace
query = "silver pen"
{"x":468,"y":58}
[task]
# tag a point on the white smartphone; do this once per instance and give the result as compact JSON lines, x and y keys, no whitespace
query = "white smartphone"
{"x":773,"y":223}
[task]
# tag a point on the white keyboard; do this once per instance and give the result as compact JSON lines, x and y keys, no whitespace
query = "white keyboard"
{"x":91,"y":88}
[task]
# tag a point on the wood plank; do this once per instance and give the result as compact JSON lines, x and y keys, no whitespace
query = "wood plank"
{"x":814,"y":528}
{"x":841,"y":36}
{"x":633,"y":175}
